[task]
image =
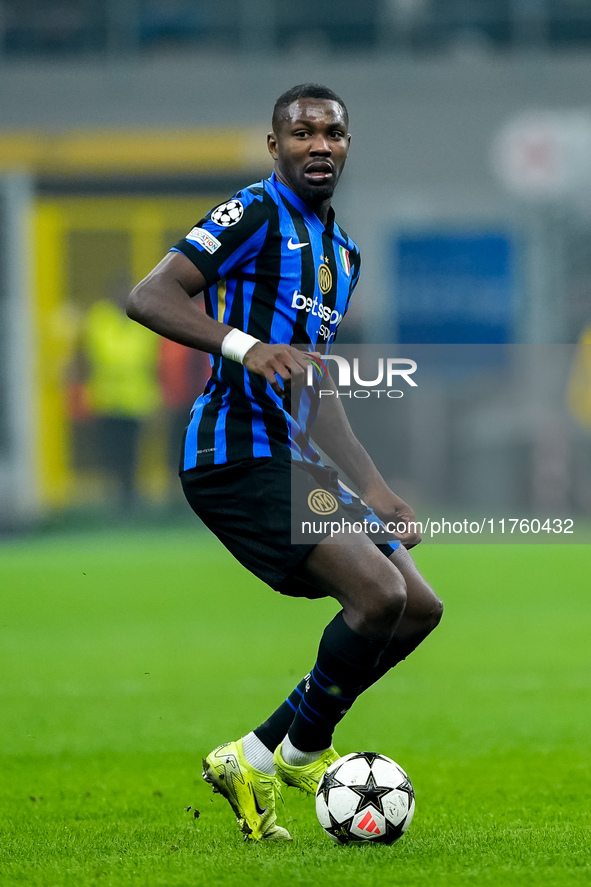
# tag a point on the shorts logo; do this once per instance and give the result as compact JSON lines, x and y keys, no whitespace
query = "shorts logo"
{"x":322,"y":502}
{"x":205,"y":239}
{"x":324,"y":279}
{"x":228,"y":213}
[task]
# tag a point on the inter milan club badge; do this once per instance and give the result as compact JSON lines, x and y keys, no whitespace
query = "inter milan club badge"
{"x":322,"y":502}
{"x":324,"y":279}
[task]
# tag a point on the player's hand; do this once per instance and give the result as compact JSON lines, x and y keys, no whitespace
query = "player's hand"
{"x":392,"y":509}
{"x":279,"y":364}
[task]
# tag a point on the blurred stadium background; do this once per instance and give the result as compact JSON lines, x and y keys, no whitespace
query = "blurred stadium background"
{"x":468,"y":189}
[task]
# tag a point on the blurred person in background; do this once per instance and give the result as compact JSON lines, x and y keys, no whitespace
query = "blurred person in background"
{"x":119,"y":363}
{"x":579,"y":389}
{"x":278,"y":271}
{"x":579,"y":403}
{"x":183,"y":373}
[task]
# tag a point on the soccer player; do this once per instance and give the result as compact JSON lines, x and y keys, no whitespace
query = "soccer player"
{"x":277,"y":271}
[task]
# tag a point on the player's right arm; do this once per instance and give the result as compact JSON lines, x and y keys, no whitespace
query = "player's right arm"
{"x":163,"y":302}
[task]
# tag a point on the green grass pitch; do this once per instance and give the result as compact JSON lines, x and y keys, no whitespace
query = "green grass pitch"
{"x":125,"y":657}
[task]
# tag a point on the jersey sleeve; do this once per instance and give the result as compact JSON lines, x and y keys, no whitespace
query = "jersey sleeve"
{"x":355,"y":272}
{"x":228,"y":236}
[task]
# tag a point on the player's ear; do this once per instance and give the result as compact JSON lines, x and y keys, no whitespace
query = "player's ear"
{"x":272,"y":145}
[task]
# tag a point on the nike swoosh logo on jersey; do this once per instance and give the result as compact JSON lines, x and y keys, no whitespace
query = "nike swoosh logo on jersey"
{"x":292,"y":245}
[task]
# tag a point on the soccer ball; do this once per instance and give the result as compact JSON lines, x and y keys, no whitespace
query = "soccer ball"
{"x":228,"y":213}
{"x":365,"y":796}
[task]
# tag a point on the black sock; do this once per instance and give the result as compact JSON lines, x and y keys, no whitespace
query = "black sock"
{"x":396,"y":651}
{"x":273,"y":730}
{"x":345,"y":665}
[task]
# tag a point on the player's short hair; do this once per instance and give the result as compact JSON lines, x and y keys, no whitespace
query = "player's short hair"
{"x":304,"y":91}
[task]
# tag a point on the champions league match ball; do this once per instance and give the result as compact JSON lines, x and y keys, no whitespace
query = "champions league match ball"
{"x":365,"y":796}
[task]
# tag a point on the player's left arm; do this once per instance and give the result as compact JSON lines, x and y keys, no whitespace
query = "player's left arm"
{"x":333,"y":433}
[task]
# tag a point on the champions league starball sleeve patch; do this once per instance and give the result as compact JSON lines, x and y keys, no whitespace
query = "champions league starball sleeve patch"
{"x":228,"y":214}
{"x":217,"y":241}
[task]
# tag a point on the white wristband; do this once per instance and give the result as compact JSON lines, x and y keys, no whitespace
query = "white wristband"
{"x":236,"y":344}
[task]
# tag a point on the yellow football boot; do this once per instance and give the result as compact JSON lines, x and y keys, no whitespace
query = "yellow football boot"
{"x":307,"y":777}
{"x":250,"y":793}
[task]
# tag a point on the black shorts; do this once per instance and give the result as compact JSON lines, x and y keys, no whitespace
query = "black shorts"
{"x":249,"y":506}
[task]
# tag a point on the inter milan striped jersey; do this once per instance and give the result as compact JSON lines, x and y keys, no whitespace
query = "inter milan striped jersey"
{"x":276,"y":272}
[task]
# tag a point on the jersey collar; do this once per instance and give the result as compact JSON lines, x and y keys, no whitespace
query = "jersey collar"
{"x":303,"y":207}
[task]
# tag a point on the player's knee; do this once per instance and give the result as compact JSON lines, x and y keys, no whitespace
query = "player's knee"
{"x":382,"y":606}
{"x":425,"y":608}
{"x":434,"y":613}
{"x":429,"y":613}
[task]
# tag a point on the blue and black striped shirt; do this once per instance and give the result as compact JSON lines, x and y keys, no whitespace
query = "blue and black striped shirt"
{"x":276,"y":272}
